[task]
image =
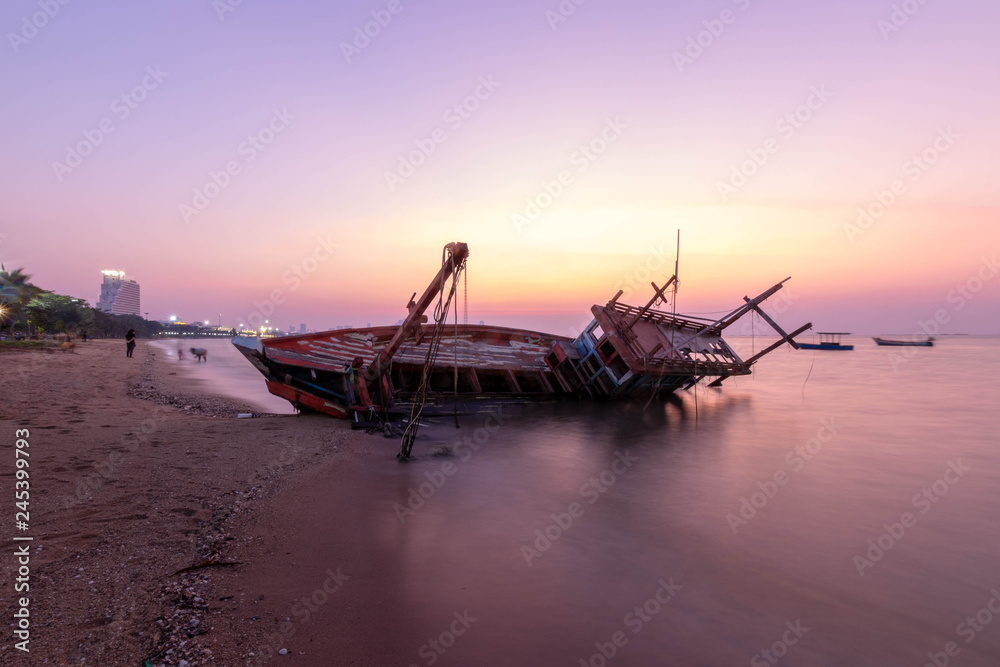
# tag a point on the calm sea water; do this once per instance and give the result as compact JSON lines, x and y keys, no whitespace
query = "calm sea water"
{"x":227,"y":371}
{"x":851,"y":519}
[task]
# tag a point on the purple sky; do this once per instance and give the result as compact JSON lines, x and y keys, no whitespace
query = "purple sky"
{"x":200,"y":84}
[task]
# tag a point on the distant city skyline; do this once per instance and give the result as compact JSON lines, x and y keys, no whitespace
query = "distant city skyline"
{"x":314,"y":173}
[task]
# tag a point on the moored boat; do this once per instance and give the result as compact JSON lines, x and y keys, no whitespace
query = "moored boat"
{"x":928,"y":342}
{"x":828,"y":340}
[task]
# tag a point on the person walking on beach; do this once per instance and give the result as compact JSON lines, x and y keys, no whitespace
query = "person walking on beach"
{"x":129,"y":343}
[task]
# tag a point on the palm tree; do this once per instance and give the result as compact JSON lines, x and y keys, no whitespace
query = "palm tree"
{"x":15,"y":293}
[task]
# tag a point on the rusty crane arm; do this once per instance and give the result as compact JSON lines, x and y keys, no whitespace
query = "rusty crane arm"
{"x":455,"y":255}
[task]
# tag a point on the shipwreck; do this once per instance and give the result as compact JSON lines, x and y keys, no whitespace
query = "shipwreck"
{"x":427,"y":366}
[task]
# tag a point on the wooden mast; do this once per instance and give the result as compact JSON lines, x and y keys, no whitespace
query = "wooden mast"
{"x":457,"y":253}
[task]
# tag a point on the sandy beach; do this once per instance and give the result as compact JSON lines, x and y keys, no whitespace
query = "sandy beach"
{"x":136,"y":475}
{"x":167,"y":530}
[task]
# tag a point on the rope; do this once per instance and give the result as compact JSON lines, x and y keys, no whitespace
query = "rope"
{"x":696,"y":392}
{"x":808,"y":374}
{"x":440,"y":319}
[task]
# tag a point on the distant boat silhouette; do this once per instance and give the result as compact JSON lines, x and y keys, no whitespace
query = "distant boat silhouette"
{"x":828,"y":340}
{"x":905,"y":343}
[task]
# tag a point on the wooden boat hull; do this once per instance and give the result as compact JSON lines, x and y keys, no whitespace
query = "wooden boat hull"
{"x":316,"y":372}
{"x":495,"y":366}
{"x":904,"y":343}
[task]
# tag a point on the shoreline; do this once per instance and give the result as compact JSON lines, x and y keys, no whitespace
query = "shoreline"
{"x":144,"y":487}
{"x":227,"y":374}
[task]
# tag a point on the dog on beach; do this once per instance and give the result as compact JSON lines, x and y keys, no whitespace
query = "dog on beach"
{"x":200,"y":354}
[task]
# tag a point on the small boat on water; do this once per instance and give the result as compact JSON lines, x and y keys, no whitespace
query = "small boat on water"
{"x":828,"y":340}
{"x":414,"y":369}
{"x":929,"y":342}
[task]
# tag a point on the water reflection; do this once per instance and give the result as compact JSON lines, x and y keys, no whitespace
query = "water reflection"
{"x":464,"y":544}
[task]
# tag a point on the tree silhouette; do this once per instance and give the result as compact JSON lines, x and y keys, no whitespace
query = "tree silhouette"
{"x":16,"y":291}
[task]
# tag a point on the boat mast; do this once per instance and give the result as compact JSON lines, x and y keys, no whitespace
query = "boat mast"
{"x":457,"y":254}
{"x":677,"y":279}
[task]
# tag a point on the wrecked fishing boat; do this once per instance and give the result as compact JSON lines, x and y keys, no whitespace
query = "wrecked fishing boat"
{"x":418,"y":368}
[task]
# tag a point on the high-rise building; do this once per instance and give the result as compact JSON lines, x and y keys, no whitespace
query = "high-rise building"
{"x":118,"y":296}
{"x":302,"y":328}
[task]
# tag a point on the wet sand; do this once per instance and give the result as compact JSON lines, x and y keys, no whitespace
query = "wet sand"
{"x":137,"y":473}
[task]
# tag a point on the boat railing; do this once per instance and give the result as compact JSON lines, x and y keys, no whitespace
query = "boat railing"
{"x":686,"y":322}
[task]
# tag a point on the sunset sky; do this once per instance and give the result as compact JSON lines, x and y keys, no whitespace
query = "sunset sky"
{"x":489,"y":105}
